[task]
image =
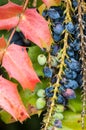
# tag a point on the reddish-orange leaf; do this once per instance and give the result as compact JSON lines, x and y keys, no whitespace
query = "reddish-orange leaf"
{"x":8,"y":23}
{"x":10,"y":100}
{"x":2,"y":47}
{"x":32,"y":24}
{"x":52,"y":2}
{"x":35,"y":28}
{"x":2,"y":43}
{"x":10,"y":10}
{"x":9,"y":15}
{"x":19,"y":66}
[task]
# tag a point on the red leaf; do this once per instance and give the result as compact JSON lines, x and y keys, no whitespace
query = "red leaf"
{"x":2,"y":43}
{"x":9,"y":23}
{"x":2,"y":47}
{"x":10,"y":100}
{"x":35,"y":28}
{"x":9,"y":15}
{"x":19,"y":66}
{"x":52,"y":2}
{"x":32,"y":24}
{"x":10,"y":10}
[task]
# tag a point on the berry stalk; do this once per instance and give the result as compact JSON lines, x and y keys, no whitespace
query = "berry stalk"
{"x":83,"y":59}
{"x":62,"y":65}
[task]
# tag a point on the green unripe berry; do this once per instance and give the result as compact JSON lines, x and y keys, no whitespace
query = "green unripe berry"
{"x":53,"y":61}
{"x":41,"y":59}
{"x":59,"y":108}
{"x":40,"y":103}
{"x":58,"y":116}
{"x":41,"y":93}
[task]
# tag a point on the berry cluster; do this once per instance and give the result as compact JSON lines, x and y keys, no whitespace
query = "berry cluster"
{"x":19,"y":39}
{"x":64,"y":65}
{"x":70,"y":79}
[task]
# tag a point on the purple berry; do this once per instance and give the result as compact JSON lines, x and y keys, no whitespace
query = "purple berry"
{"x":69,"y":94}
{"x":58,"y":123}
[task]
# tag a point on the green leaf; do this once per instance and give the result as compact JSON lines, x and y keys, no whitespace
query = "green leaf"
{"x":5,"y":33}
{"x":44,"y":83}
{"x":75,"y":104}
{"x":72,"y":120}
{"x":28,"y":97}
{"x":6,"y":117}
{"x":2,"y":2}
{"x":33,"y":52}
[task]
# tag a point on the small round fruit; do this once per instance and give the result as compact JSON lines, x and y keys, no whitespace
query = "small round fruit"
{"x":59,"y":108}
{"x":41,"y":59}
{"x":41,"y":93}
{"x":40,"y":103}
{"x":58,"y":116}
{"x":53,"y":61}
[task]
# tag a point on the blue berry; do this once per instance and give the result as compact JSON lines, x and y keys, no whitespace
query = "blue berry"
{"x":47,"y":72}
{"x":19,"y":39}
{"x":73,"y":65}
{"x":69,"y":94}
{"x":71,"y":84}
{"x":54,"y":49}
{"x":63,"y":81}
{"x":56,"y":37}
{"x":75,"y":45}
{"x":75,"y":3}
{"x":70,"y":52}
{"x":15,"y":37}
{"x":61,"y":89}
{"x":44,"y":14}
{"x":49,"y":91}
{"x":53,"y":14}
{"x":79,"y":79}
{"x":84,"y":17}
{"x":70,"y":27}
{"x":61,"y":99}
{"x":58,"y":123}
{"x":53,"y":80}
{"x":70,"y":74}
{"x":58,"y":29}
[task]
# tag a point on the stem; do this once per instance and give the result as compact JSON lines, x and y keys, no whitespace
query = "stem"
{"x":24,"y":8}
{"x":50,"y":110}
{"x":25,"y":5}
{"x":8,"y":42}
{"x":34,"y":3}
{"x":57,"y":84}
{"x":82,"y":54}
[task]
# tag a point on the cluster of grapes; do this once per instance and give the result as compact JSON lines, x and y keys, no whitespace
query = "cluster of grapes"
{"x":64,"y":64}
